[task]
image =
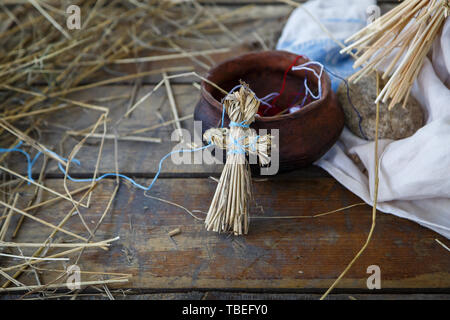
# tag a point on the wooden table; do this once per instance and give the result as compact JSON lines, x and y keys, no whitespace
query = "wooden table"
{"x":278,"y":259}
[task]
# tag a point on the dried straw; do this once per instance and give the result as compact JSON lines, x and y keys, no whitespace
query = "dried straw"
{"x":375,"y":200}
{"x":400,"y":40}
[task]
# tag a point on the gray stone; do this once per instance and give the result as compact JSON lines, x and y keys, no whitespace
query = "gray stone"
{"x":397,"y":123}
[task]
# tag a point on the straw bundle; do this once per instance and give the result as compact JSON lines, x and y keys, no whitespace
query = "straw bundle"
{"x":230,"y":205}
{"x":405,"y":34}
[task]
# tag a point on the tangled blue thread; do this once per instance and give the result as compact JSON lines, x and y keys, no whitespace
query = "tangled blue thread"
{"x":319,"y":94}
{"x":241,"y":124}
{"x":360,"y":119}
{"x":318,"y":76}
{"x":30,"y":162}
{"x":308,"y":91}
{"x":236,"y":143}
{"x":134,"y":183}
{"x":241,"y":147}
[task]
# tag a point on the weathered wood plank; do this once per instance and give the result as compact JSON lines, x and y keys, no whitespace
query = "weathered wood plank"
{"x":301,"y":254}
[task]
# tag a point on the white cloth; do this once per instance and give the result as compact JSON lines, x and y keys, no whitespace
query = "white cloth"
{"x":414,"y":173}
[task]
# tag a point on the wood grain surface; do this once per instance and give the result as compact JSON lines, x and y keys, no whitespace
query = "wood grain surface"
{"x":299,"y":254}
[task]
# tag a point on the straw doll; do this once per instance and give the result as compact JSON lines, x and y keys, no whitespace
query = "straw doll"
{"x":229,"y":209}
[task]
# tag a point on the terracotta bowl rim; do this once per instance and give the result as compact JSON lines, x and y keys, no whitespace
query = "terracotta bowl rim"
{"x":326,"y":85}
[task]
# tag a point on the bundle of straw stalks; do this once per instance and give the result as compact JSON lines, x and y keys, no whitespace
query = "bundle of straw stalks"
{"x":400,"y":40}
{"x":229,"y":209}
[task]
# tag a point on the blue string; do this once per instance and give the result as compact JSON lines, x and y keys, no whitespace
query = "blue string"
{"x":350,"y":100}
{"x":308,"y":91}
{"x":236,"y":142}
{"x":319,"y":95}
{"x":30,"y":164}
{"x":241,"y":124}
{"x":268,"y":98}
{"x":302,"y":67}
{"x":29,"y":161}
{"x":318,"y":76}
{"x":128,"y":178}
{"x":241,"y":148}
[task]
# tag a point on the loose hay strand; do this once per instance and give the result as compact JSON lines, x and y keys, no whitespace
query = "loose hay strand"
{"x":375,"y":199}
{"x":315,"y":215}
{"x":442,"y":244}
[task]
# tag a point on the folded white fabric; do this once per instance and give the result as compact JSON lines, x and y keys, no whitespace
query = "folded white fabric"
{"x":414,"y":172}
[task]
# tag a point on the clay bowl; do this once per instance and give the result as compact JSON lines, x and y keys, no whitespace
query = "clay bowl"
{"x":305,"y":135}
